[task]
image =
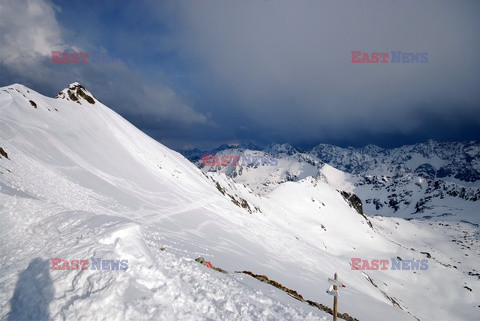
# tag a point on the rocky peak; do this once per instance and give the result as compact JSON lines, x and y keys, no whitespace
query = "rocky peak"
{"x":77,"y":93}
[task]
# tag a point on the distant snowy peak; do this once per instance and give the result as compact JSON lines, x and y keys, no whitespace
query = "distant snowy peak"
{"x":77,"y":93}
{"x":348,"y":159}
{"x":456,"y":160}
{"x":428,"y":179}
{"x":195,"y":154}
{"x":372,"y":150}
{"x":278,"y":149}
{"x":450,"y":161}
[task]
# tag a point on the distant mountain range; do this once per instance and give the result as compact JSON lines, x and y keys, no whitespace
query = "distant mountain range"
{"x":430,"y":179}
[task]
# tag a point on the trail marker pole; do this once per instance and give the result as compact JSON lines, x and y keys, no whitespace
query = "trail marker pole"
{"x":335,"y":300}
{"x":333,"y":290}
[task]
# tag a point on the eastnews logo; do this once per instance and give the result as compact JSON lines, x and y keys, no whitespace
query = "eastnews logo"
{"x":96,"y":264}
{"x":359,"y":57}
{"x":397,"y":264}
{"x":59,"y":57}
{"x":234,"y":160}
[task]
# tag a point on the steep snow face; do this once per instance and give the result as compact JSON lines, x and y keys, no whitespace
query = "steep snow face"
{"x":86,"y":151}
{"x":77,"y":181}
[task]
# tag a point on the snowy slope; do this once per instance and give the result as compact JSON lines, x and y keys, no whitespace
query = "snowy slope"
{"x":80,"y":182}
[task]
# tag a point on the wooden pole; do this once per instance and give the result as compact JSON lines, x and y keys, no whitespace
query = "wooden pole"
{"x":335,"y":298}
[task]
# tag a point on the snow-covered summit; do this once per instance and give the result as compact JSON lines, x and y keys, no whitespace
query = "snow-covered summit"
{"x":277,"y":149}
{"x":77,"y":93}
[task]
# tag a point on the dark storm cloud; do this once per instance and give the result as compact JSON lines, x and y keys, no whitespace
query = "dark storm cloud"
{"x":208,"y":72}
{"x":287,"y":65}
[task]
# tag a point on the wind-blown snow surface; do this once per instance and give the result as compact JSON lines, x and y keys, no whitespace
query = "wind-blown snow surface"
{"x":80,"y":182}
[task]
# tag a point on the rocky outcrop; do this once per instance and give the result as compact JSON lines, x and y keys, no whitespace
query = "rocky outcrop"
{"x":3,"y":153}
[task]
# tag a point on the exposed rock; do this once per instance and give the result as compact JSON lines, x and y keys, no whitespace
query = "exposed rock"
{"x":296,"y":295}
{"x":203,"y":262}
{"x":76,"y":91}
{"x":427,"y":254}
{"x":355,"y":202}
{"x":3,"y":153}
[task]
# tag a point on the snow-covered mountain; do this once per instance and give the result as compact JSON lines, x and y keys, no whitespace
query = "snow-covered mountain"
{"x":423,"y":180}
{"x":450,"y":161}
{"x":79,"y":182}
{"x":418,"y":181}
{"x":195,"y":154}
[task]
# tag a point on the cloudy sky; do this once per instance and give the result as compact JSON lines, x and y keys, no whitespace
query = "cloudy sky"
{"x":203,"y":73}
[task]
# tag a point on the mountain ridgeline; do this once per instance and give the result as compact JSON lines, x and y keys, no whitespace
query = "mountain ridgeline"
{"x":425,"y":180}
